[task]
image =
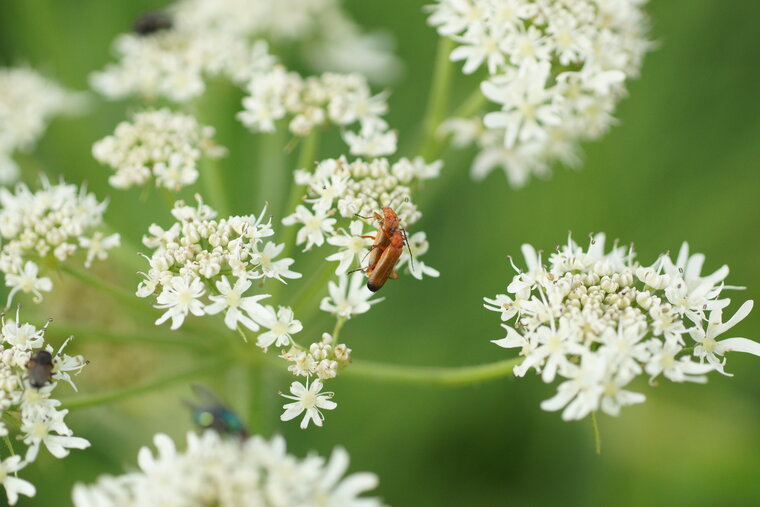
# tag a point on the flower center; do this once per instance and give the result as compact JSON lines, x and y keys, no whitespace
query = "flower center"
{"x":308,"y":400}
{"x":280,"y":329}
{"x":233,"y":299}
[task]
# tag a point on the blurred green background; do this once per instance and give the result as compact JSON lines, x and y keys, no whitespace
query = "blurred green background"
{"x":682,"y":165}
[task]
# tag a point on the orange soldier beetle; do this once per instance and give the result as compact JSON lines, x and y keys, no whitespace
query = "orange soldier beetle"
{"x":388,"y":223}
{"x":386,"y":249}
{"x":383,"y":269}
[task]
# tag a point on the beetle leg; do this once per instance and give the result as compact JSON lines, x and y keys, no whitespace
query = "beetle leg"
{"x":393,"y":276}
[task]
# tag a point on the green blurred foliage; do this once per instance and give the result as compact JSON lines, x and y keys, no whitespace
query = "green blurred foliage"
{"x":682,"y":165}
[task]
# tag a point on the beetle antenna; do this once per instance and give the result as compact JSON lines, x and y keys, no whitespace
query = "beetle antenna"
{"x":411,"y":256}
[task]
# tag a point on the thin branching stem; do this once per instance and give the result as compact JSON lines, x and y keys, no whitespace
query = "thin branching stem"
{"x":438,"y":98}
{"x":148,"y":387}
{"x":597,"y":437}
{"x":431,"y":375}
{"x":118,"y":293}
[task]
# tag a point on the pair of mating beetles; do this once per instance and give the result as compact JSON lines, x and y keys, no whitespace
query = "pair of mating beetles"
{"x":386,"y":249}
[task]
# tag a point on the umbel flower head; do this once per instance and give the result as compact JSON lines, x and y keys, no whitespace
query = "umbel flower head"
{"x":29,"y":373}
{"x":175,"y":62}
{"x":338,"y":99}
{"x":597,"y":320}
{"x":206,"y":266}
{"x":209,"y":38}
{"x":160,"y":144}
{"x":46,"y":228}
{"x":228,"y":472}
{"x":556,"y":70}
{"x":330,"y":39}
{"x":28,"y":101}
{"x":337,"y":191}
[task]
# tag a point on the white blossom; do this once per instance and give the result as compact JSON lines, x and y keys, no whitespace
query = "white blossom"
{"x":215,"y":470}
{"x":12,"y":484}
{"x":353,"y":247}
{"x":160,"y":144}
{"x":598,"y":320}
{"x":50,"y":224}
{"x":282,"y":324}
{"x":308,"y":103}
{"x":194,"y":261}
{"x":351,"y":190}
{"x":350,"y":296}
{"x":309,"y":399}
{"x":323,"y":359}
{"x":315,"y":226}
{"x":239,"y":309}
{"x":33,"y":412}
{"x":556,"y":70}
{"x":28,"y":101}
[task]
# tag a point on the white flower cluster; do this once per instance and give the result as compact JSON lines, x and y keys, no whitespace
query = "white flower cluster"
{"x":345,"y":189}
{"x":322,"y":360}
{"x":599,"y":320}
{"x":339,"y":99}
{"x":28,"y":101}
{"x":159,"y":144}
{"x":228,"y":472}
{"x":219,"y":37}
{"x":199,"y":255}
{"x":29,"y":371}
{"x":173,"y":63}
{"x":332,"y":40}
{"x":47,"y":227}
{"x":556,"y":68}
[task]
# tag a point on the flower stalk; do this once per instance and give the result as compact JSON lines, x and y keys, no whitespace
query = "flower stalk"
{"x":438,"y":98}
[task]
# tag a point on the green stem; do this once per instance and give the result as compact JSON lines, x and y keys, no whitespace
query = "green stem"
{"x":213,"y":183}
{"x":169,"y":198}
{"x":116,"y":292}
{"x":438,"y":98}
{"x":138,"y":336}
{"x":474,"y":102}
{"x":306,"y":158}
{"x":128,"y":253}
{"x":430,"y":375}
{"x":306,"y":301}
{"x":597,"y":438}
{"x":273,"y":177}
{"x":101,"y":399}
{"x":338,"y":326}
{"x":9,"y":445}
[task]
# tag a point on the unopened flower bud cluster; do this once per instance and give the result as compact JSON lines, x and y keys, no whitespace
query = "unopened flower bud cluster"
{"x":160,"y":144}
{"x":598,"y":320}
{"x":316,"y":101}
{"x":200,"y":257}
{"x":216,"y":470}
{"x":28,"y":101}
{"x":37,"y":420}
{"x":556,"y":69}
{"x":47,"y":227}
{"x":321,"y":359}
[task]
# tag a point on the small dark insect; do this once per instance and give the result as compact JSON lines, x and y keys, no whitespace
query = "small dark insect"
{"x":40,"y":368}
{"x":212,"y":413}
{"x":152,"y":22}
